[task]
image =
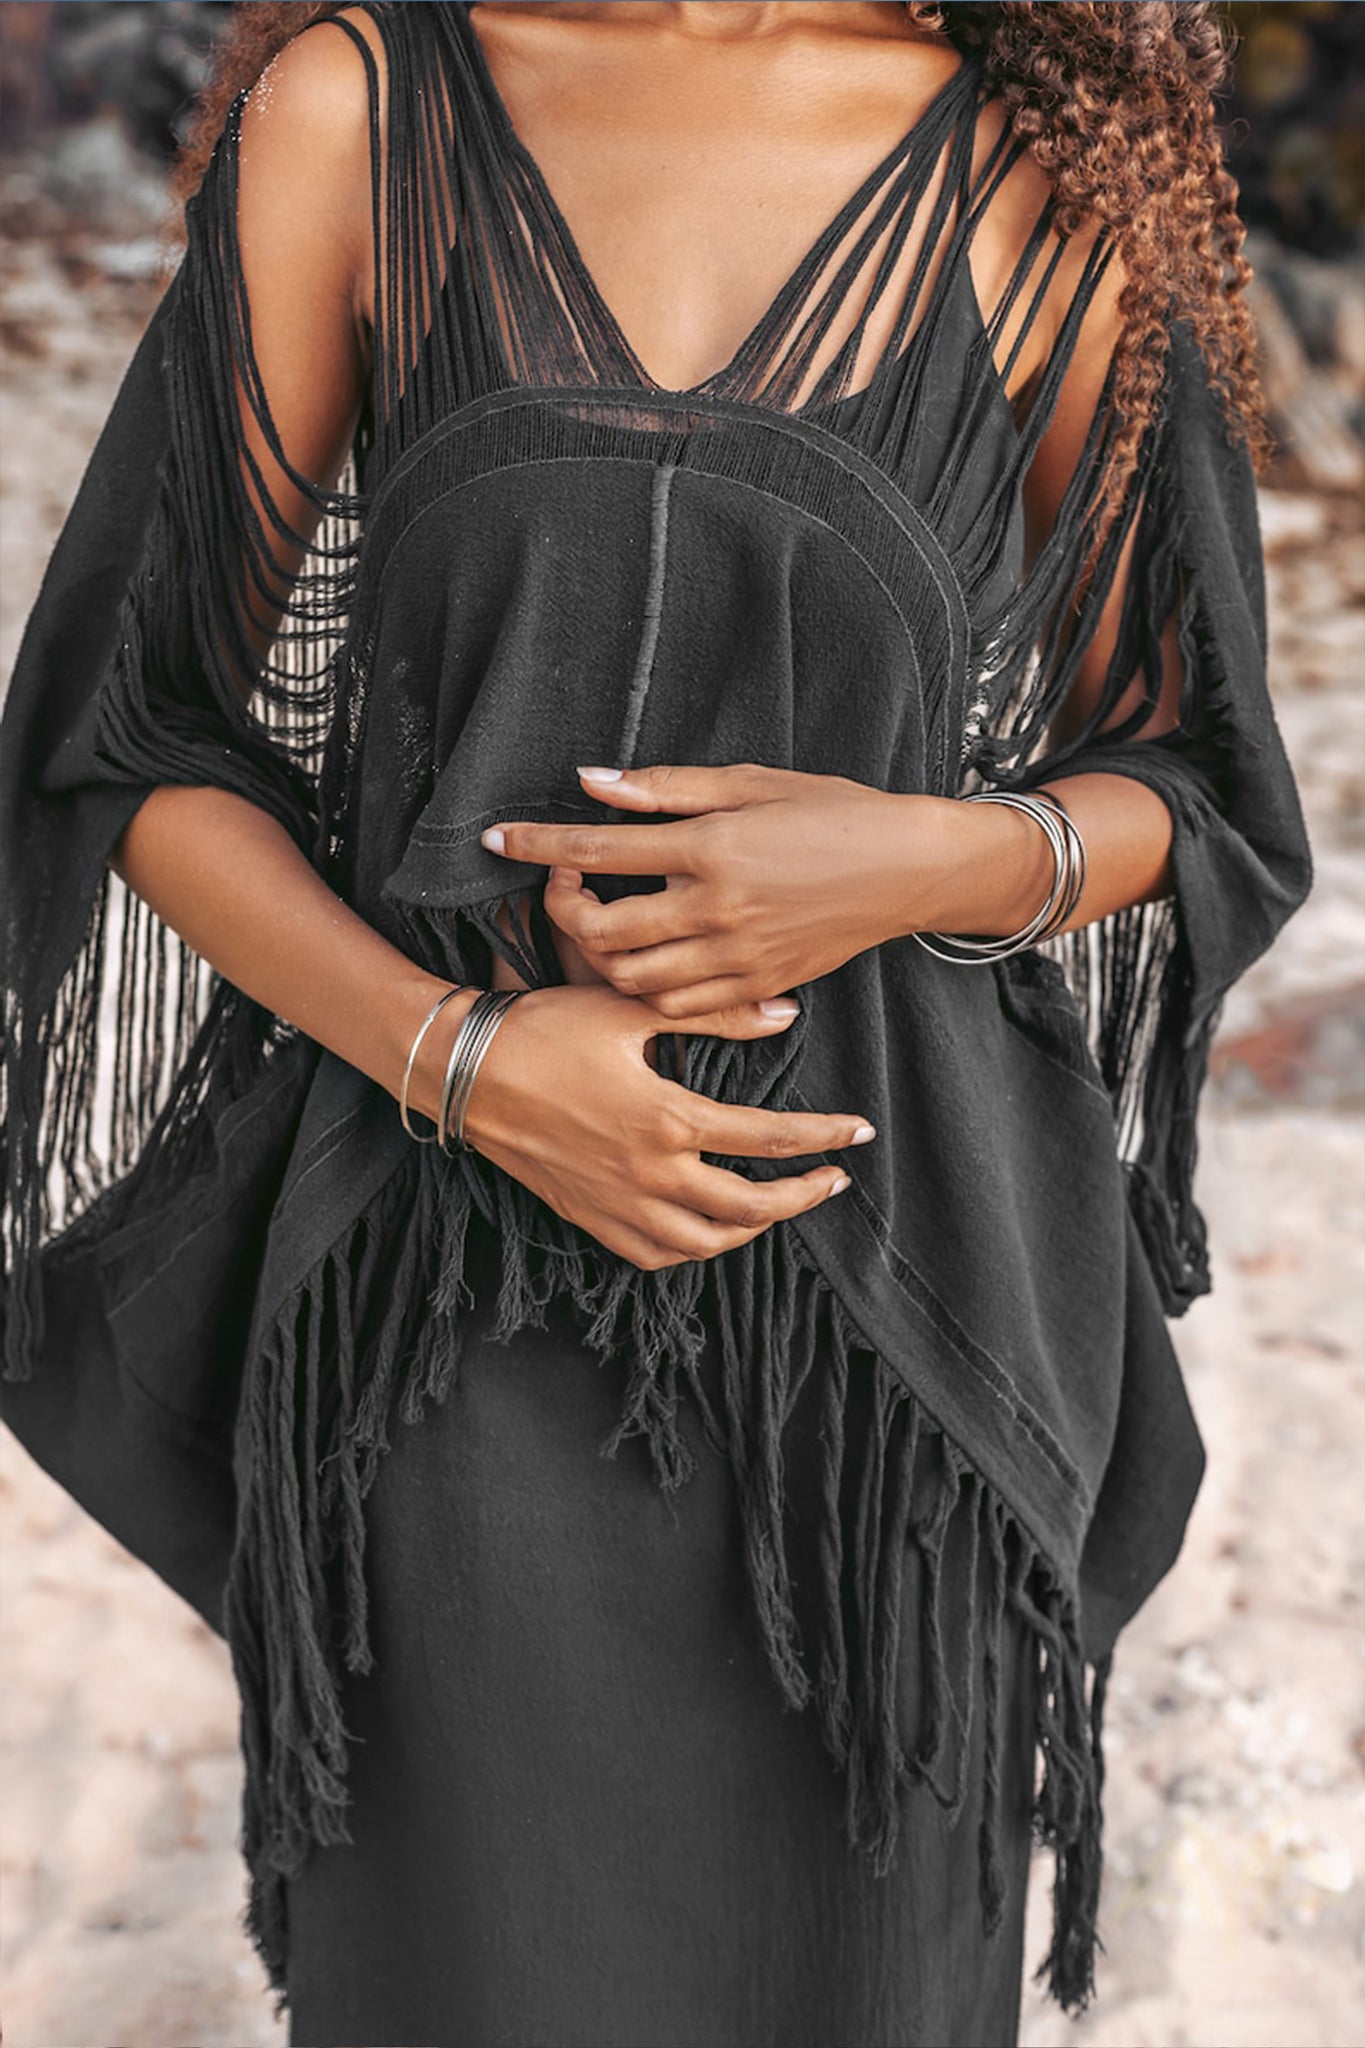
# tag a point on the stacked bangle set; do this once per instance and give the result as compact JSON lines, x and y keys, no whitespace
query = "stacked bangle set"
{"x":472,"y":1040}
{"x":1068,"y":881}
{"x":490,"y":1006}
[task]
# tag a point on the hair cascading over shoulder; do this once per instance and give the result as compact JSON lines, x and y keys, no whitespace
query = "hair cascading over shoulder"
{"x":1116,"y":102}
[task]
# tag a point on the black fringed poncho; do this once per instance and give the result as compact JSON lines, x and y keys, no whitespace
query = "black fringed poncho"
{"x":228,"y":1272}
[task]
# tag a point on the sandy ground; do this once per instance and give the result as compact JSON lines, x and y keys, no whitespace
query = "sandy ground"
{"x":1234,"y":1912}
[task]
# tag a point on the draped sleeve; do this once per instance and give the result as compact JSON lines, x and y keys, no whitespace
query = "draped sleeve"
{"x":1151,"y":979}
{"x":189,"y":630}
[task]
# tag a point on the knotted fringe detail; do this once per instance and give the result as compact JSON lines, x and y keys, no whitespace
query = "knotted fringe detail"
{"x":109,"y":1095}
{"x":374,"y":1333}
{"x":1069,"y":1818}
{"x":1129,"y":971}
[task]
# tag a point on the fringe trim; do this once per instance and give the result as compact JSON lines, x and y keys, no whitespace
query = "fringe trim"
{"x":374,"y":1334}
{"x":1132,"y":972}
{"x":109,"y":1095}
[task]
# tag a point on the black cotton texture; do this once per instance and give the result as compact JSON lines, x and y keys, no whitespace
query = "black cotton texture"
{"x":229,"y":1275}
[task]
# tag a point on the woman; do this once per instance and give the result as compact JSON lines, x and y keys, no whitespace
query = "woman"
{"x":732,"y":526}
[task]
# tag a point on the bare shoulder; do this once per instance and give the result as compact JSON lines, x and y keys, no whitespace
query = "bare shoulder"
{"x":306,"y":175}
{"x":1021,"y":199}
{"x":313,"y":98}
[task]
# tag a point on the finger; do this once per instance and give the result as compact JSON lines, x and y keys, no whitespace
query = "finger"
{"x":650,"y":1254}
{"x":738,"y":1131}
{"x":596,"y":849}
{"x":674,"y":971}
{"x":619,"y":927}
{"x":686,"y":792}
{"x":660,"y":1233}
{"x":729,"y":1198}
{"x":698,"y":1235}
{"x":679,"y":1009}
{"x":735,"y":1020}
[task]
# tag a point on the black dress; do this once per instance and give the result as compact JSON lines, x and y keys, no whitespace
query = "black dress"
{"x":738,"y":1735}
{"x":580,"y":1814}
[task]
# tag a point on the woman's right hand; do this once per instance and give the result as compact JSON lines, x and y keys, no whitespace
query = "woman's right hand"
{"x":567,"y":1101}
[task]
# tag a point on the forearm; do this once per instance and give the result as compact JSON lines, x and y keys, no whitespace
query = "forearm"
{"x":232,"y":883}
{"x":989,"y":867}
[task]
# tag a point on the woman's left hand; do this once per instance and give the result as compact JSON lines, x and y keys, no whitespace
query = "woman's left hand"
{"x":773,"y":878}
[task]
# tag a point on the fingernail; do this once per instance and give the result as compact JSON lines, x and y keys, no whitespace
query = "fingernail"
{"x":601,"y":774}
{"x":495,"y":839}
{"x":863,"y":1134}
{"x":781,"y":1009}
{"x":836,"y":1187}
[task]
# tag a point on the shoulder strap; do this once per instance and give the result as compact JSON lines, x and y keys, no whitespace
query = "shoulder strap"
{"x":482,"y":283}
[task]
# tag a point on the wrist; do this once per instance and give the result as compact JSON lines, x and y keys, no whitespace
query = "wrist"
{"x":979,"y":868}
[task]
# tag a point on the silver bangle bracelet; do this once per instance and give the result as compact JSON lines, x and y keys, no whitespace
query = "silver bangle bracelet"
{"x":472,"y":1041}
{"x":1069,"y":871}
{"x":1046,"y":810}
{"x":965,"y":946}
{"x":404,"y":1114}
{"x":458,"y":1047}
{"x":1074,"y":887}
{"x":475,"y":1043}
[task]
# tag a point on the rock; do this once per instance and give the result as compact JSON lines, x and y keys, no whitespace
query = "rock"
{"x":1315,"y":421}
{"x":1196,"y":1788}
{"x":97,"y":173}
{"x":1326,"y":1867}
{"x":144,"y":256}
{"x":1311,"y":1050}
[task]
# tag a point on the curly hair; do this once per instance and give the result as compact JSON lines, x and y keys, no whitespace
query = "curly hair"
{"x":1115,"y":102}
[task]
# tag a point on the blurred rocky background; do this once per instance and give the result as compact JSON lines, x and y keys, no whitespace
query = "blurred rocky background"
{"x":1234,"y":1911}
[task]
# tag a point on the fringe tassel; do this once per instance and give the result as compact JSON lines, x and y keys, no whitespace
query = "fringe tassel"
{"x":109,"y":1094}
{"x":374,"y":1334}
{"x":1068,"y":1816}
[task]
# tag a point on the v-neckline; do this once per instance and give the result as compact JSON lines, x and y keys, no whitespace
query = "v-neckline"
{"x":806,"y":265}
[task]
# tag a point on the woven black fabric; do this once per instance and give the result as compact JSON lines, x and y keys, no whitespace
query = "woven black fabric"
{"x":227,"y":1270}
{"x":577,"y":1814}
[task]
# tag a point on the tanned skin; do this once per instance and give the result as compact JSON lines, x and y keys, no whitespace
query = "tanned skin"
{"x":775,"y":878}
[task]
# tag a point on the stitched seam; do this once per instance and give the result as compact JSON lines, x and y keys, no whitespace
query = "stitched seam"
{"x":984,"y":1365}
{"x":338,"y":1134}
{"x":1070,"y":1477}
{"x":740,"y":483}
{"x":1058,"y":1060}
{"x":654,"y":601}
{"x":876,"y":481}
{"x":107,"y":1251}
